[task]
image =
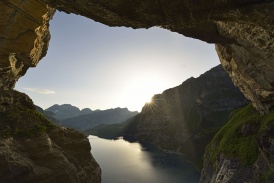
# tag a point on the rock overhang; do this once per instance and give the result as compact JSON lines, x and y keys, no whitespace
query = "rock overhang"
{"x":242,"y":30}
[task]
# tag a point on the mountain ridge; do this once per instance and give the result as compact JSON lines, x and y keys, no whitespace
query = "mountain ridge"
{"x":82,"y":121}
{"x":184,"y":118}
{"x":64,"y":111}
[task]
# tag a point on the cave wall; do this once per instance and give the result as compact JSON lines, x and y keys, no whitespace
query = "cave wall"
{"x":24,"y":37}
{"x":242,"y":30}
{"x":32,"y":149}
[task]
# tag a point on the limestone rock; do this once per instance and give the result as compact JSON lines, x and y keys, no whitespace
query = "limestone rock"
{"x":24,"y":37}
{"x":230,"y":171}
{"x":249,"y":62}
{"x":32,"y":149}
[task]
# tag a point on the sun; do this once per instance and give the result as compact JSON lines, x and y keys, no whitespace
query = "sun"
{"x":140,"y":99}
{"x":140,"y":93}
{"x":149,"y":101}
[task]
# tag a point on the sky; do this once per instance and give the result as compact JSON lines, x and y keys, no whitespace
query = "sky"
{"x":90,"y":65}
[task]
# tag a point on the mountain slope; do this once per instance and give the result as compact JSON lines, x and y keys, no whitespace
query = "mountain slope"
{"x":65,"y":111}
{"x":88,"y":121}
{"x":185,"y":118}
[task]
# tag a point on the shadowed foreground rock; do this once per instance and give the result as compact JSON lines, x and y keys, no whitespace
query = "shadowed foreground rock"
{"x":242,"y":151}
{"x":242,"y":30}
{"x":32,"y":149}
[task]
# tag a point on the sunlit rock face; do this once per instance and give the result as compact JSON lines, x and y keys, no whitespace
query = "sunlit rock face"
{"x":24,"y":37}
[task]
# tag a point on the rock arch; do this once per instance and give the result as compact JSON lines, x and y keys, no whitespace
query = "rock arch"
{"x":241,"y":29}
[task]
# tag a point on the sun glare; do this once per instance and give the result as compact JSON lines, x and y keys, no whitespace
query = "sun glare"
{"x":149,"y":101}
{"x":141,"y":92}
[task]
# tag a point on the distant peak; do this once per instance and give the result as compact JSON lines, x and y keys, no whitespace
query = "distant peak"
{"x":64,"y":105}
{"x":86,"y":109}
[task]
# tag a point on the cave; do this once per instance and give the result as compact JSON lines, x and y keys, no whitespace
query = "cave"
{"x":146,"y":62}
{"x":241,"y":30}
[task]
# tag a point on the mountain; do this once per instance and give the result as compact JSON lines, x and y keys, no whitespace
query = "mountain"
{"x":70,"y":116}
{"x":184,"y":118}
{"x":112,"y":131}
{"x":88,"y":121}
{"x":65,"y":111}
{"x":48,"y":114}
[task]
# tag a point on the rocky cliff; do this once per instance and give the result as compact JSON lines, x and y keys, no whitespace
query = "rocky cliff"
{"x":32,"y":149}
{"x":24,"y":37}
{"x":185,"y":118}
{"x":242,"y":151}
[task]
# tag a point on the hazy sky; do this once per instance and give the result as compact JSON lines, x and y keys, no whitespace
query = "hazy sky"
{"x":91,"y":65}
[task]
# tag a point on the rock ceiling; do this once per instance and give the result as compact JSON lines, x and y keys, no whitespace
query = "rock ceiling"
{"x":243,"y":31}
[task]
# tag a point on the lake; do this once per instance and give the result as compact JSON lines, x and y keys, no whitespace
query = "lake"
{"x":125,"y":162}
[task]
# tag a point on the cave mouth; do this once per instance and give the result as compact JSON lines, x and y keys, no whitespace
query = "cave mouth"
{"x":91,"y":65}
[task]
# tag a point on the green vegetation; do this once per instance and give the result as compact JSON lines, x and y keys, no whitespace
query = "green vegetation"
{"x":237,"y":138}
{"x":23,"y":122}
{"x":269,"y":176}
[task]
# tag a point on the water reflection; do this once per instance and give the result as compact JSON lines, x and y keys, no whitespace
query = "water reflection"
{"x":124,"y":162}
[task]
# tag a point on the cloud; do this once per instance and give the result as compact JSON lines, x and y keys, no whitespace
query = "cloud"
{"x":41,"y":91}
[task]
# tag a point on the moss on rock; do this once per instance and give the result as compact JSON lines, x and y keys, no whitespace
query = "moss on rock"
{"x":19,"y":118}
{"x":238,"y":138}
